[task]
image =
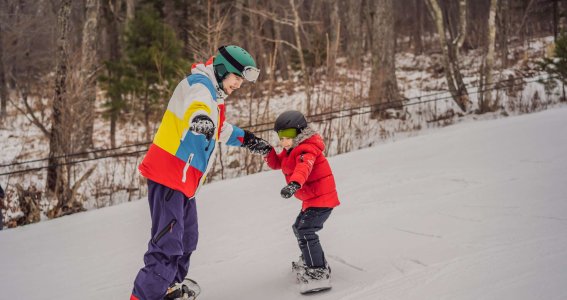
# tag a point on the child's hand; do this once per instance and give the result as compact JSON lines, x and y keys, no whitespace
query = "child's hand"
{"x":290,"y":189}
{"x":255,"y":144}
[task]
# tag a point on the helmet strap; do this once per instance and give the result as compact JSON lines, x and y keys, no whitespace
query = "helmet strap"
{"x":220,"y":74}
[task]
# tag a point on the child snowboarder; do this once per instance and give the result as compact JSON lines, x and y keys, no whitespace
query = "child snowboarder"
{"x":308,"y":177}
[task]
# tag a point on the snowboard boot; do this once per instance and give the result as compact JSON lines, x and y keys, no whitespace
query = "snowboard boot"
{"x":299,"y":265}
{"x":318,"y":273}
{"x":181,"y":291}
{"x":314,"y":279}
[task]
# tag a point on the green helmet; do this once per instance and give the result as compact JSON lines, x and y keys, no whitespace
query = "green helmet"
{"x":233,"y":59}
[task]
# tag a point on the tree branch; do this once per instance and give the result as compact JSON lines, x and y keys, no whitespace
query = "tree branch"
{"x":280,"y":41}
{"x":28,"y":112}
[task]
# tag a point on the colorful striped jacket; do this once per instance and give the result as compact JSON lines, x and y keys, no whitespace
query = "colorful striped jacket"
{"x":179,"y":158}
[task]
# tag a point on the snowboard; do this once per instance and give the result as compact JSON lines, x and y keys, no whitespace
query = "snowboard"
{"x":308,"y":285}
{"x":189,"y":291}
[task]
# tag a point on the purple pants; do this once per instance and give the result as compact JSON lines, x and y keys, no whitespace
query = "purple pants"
{"x":174,"y":237}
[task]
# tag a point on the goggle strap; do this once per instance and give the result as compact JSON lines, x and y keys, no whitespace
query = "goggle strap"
{"x":231,"y":59}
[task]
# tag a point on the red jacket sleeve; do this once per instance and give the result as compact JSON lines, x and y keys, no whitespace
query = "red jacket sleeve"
{"x":303,"y":167}
{"x":273,"y":160}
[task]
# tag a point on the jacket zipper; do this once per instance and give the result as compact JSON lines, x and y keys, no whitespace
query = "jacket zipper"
{"x":208,"y":145}
{"x":168,"y":228}
{"x":184,"y":178}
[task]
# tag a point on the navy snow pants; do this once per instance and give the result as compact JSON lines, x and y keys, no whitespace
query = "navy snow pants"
{"x":174,"y":237}
{"x":306,"y":225}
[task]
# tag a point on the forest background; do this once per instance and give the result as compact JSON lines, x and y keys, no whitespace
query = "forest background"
{"x":84,"y":84}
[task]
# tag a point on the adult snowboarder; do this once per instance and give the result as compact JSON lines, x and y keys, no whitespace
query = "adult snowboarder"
{"x":177,"y":162}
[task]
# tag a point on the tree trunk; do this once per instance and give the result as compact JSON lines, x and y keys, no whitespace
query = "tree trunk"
{"x":555,"y":19}
{"x":130,"y":9}
{"x":450,"y":58}
{"x":282,"y":53}
{"x":299,"y":48}
{"x":418,"y":28}
{"x":3,"y":88}
{"x":502,"y":19}
{"x":487,"y":103}
{"x":335,"y":35}
{"x":562,"y":21}
{"x":185,"y":28}
{"x":384,"y":91}
{"x":460,"y":39}
{"x":57,"y":140}
{"x":113,"y":120}
{"x":256,"y":43}
{"x":238,"y":26}
{"x":354,"y":37}
{"x":113,"y":33}
{"x":89,"y":66}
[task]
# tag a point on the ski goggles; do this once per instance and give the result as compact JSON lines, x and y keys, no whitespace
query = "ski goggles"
{"x":287,"y":133}
{"x":249,"y":73}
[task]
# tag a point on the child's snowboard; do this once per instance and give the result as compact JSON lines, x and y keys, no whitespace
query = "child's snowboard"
{"x":189,"y":289}
{"x":307,"y":284}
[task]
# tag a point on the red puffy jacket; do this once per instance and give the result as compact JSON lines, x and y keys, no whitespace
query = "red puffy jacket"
{"x":306,"y":164}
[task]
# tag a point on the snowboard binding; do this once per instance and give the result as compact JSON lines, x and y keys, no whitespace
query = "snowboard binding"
{"x":311,"y":280}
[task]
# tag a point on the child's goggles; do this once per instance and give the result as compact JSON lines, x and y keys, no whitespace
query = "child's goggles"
{"x":249,"y":73}
{"x":287,"y":133}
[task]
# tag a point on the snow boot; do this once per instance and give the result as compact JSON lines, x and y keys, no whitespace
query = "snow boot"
{"x":187,"y":290}
{"x":299,"y":265}
{"x":313,"y":280}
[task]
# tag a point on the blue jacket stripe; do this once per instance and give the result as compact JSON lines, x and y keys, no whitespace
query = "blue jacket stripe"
{"x":204,"y":80}
{"x":233,"y":139}
{"x":195,"y":142}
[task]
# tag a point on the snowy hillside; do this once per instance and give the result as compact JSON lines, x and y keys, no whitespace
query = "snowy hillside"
{"x":472,"y":211}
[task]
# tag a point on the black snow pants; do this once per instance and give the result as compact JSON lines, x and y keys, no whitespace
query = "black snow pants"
{"x":306,"y":225}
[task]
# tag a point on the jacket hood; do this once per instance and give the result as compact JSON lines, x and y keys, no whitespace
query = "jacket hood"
{"x":208,"y":70}
{"x":311,"y":137}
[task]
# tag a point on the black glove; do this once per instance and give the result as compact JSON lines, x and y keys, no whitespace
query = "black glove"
{"x":255,"y":144}
{"x":290,"y":189}
{"x":204,"y":125}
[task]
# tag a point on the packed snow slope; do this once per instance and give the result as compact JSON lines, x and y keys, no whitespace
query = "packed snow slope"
{"x":472,"y":211}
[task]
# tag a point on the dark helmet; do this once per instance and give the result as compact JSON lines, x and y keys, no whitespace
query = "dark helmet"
{"x":290,"y":119}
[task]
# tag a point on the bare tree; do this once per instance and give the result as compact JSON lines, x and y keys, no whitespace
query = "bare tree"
{"x":503,"y":25}
{"x":57,"y":141}
{"x":89,"y":64}
{"x":334,"y":36}
{"x":384,"y":91}
{"x":112,"y":28}
{"x":355,"y":38}
{"x":3,"y":88}
{"x":562,"y":15}
{"x":296,"y":24}
{"x":450,"y":50}
{"x":417,"y":36}
{"x":487,"y":101}
{"x":130,"y":8}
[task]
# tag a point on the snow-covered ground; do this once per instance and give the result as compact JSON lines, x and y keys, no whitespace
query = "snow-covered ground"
{"x":472,"y":211}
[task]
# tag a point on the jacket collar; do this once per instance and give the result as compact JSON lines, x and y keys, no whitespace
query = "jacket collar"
{"x":305,"y":134}
{"x":208,"y":70}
